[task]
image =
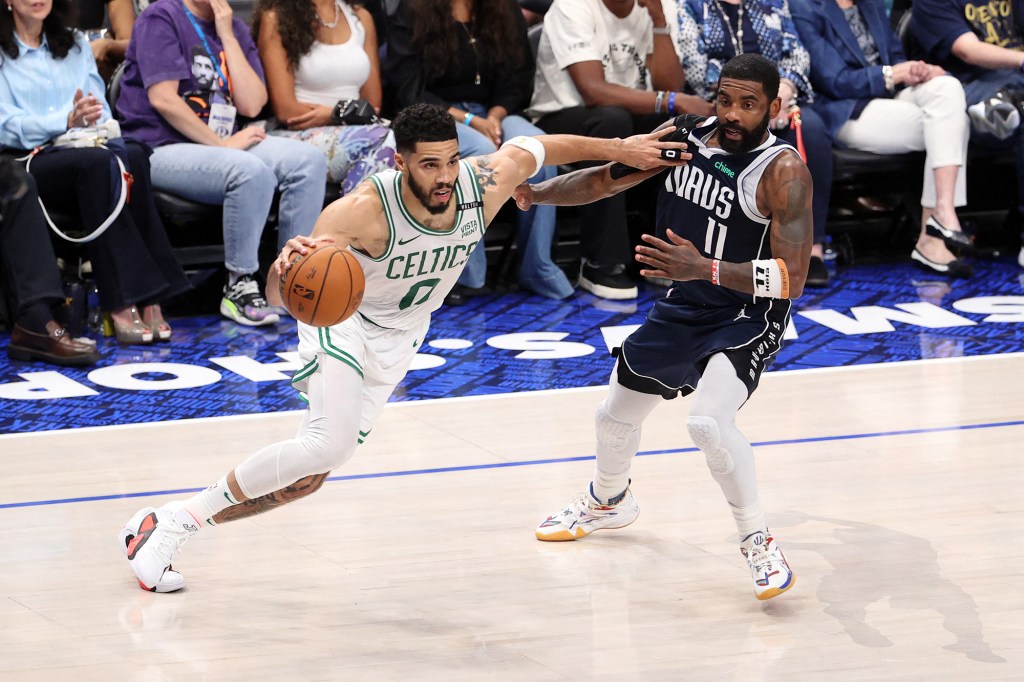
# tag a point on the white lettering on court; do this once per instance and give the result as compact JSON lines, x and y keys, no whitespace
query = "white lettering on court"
{"x":125,"y":378}
{"x":873,"y":318}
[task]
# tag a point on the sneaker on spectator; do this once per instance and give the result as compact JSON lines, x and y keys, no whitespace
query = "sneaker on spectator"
{"x":244,"y":303}
{"x":607,"y":281}
{"x":998,"y":115}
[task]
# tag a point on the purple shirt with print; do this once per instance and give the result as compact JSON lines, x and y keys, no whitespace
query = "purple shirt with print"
{"x":165,"y":47}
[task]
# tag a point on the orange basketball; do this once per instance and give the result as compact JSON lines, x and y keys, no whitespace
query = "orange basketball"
{"x":323,"y":287}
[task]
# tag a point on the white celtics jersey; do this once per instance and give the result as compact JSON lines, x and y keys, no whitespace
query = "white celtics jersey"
{"x":420,"y":266}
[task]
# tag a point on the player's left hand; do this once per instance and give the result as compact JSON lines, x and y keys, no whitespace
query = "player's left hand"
{"x":644,"y":152}
{"x":676,"y":259}
{"x":523,"y":196}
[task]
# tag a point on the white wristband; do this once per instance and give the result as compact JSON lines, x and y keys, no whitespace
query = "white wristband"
{"x":771,"y":278}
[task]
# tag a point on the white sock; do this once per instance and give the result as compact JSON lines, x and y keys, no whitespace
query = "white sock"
{"x":203,"y":506}
{"x":749,"y":519}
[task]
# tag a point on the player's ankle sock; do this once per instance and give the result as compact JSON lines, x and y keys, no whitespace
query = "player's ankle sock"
{"x":205,"y":505}
{"x":749,"y":519}
{"x":609,"y":489}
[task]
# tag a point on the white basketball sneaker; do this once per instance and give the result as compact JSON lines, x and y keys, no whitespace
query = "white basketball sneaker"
{"x":586,"y":513}
{"x":772,"y":575}
{"x":150,"y":540}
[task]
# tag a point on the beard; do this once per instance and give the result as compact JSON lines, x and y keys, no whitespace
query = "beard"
{"x":749,"y":139}
{"x":424,"y":196}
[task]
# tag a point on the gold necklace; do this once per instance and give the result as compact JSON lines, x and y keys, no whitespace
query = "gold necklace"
{"x":737,"y":37}
{"x":472,"y":44}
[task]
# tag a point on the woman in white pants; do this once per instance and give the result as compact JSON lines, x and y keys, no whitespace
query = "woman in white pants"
{"x":873,"y":99}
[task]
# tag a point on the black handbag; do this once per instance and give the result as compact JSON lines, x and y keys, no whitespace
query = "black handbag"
{"x":354,"y":112}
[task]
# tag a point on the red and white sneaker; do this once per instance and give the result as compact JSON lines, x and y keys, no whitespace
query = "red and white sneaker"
{"x":768,"y":567}
{"x":149,"y":540}
{"x":585,"y":514}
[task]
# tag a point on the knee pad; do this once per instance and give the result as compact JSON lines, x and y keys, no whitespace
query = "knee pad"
{"x":705,"y":435}
{"x":611,"y":432}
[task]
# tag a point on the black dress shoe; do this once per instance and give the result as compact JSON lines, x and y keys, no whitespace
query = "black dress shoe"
{"x":957,"y":242}
{"x":954,"y":268}
{"x":817,"y":273}
{"x":56,"y":347}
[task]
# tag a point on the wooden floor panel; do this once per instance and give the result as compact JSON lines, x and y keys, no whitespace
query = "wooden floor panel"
{"x":894,"y":491}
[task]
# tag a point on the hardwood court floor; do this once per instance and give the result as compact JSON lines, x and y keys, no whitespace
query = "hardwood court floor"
{"x":895,"y":491}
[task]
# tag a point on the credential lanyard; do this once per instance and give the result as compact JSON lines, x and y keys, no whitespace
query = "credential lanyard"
{"x":206,"y":45}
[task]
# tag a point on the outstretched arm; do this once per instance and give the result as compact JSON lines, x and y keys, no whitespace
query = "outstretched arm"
{"x":785,"y":195}
{"x":583,"y":186}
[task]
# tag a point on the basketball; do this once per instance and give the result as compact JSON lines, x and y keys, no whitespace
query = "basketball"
{"x":323,"y":287}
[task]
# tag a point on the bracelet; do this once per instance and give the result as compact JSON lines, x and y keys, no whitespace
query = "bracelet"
{"x":658,"y":101}
{"x":672,"y":103}
{"x":662,"y":30}
{"x":715,"y":264}
{"x":468,"y":118}
{"x":887,"y":77}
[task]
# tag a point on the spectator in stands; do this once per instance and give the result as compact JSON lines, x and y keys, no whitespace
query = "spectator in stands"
{"x":982,"y":44}
{"x":713,"y":31}
{"x":31,"y":276}
{"x":534,"y":10}
{"x":107,"y":25}
{"x":607,"y":68}
{"x":473,"y":57}
{"x":49,"y":84}
{"x":873,"y":99}
{"x":192,"y":71}
{"x":318,"y":55}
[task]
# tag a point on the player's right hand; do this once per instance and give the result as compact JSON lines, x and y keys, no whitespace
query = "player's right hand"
{"x":297,"y":245}
{"x":644,"y":152}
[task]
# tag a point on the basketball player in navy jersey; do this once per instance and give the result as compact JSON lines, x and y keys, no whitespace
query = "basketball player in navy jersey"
{"x":735,"y":233}
{"x":412,"y":230}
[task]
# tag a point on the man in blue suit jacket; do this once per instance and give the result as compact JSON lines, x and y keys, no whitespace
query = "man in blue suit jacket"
{"x":873,"y":99}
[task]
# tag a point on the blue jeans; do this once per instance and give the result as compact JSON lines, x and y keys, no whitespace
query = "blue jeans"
{"x":244,"y":181}
{"x":981,"y":89}
{"x":536,"y":227}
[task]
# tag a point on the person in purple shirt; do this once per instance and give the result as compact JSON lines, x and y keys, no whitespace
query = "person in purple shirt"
{"x":192,"y":72}
{"x":982,"y":44}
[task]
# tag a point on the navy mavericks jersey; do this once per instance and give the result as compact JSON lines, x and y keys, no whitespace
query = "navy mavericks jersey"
{"x":712,"y":202}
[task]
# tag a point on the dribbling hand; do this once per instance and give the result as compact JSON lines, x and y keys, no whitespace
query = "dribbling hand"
{"x":297,"y":245}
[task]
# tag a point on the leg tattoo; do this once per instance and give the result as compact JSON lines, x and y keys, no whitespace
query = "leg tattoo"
{"x":301,"y":488}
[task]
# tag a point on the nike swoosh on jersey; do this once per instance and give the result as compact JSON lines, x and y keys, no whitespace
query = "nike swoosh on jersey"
{"x":403,"y":242}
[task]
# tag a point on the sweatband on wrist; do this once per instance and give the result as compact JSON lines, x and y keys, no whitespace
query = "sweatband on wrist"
{"x":672,"y":103}
{"x":530,"y":144}
{"x":469,"y":117}
{"x":715,"y":274}
{"x":771,"y":278}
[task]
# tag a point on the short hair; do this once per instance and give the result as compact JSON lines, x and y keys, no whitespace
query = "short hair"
{"x":422,"y":123}
{"x":753,"y":67}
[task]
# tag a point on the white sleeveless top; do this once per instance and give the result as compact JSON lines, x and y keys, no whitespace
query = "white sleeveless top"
{"x":420,"y":266}
{"x":329,"y":73}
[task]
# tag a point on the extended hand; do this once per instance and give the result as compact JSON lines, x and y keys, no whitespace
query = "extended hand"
{"x":677,"y":260}
{"x":643,"y":152}
{"x":297,"y":245}
{"x":523,"y":196}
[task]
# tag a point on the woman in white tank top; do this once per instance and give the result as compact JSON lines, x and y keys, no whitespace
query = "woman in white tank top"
{"x":317,"y":54}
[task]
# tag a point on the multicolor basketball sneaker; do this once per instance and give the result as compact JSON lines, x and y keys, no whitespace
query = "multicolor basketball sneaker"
{"x":586,"y":513}
{"x":149,"y":540}
{"x":772,"y":575}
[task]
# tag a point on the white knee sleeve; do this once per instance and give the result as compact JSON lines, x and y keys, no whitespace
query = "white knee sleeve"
{"x":613,"y":434}
{"x":706,"y":436}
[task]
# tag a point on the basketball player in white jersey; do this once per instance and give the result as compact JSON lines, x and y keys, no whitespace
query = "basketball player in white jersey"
{"x":412,"y":230}
{"x":735,"y":233}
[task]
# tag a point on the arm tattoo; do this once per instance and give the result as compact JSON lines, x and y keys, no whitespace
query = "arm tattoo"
{"x":258,"y":505}
{"x":794,"y":211}
{"x":485,"y":174}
